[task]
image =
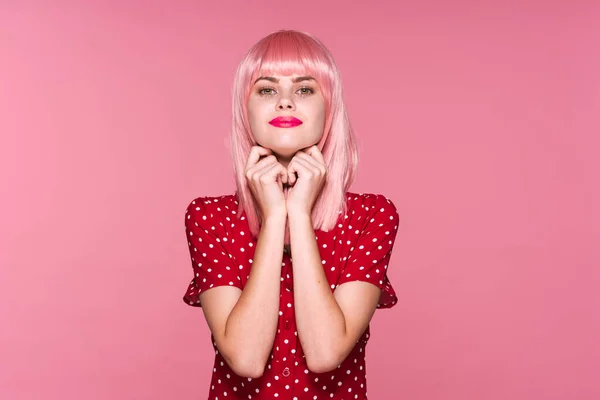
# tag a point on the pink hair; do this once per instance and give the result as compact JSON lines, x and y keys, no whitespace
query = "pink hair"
{"x":289,"y":52}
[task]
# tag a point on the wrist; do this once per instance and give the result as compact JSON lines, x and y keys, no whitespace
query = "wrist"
{"x":299,"y":215}
{"x":275,"y":218}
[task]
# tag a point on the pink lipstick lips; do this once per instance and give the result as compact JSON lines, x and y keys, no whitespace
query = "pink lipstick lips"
{"x":285,"y":122}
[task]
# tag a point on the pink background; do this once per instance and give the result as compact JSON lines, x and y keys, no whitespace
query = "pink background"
{"x":479,"y":121}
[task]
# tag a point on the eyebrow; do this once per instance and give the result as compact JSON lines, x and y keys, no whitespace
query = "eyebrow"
{"x":295,"y":80}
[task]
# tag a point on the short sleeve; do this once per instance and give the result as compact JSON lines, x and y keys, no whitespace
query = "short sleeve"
{"x":370,"y":258}
{"x":212,"y":265}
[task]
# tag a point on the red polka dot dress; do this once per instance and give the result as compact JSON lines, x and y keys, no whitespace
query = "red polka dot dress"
{"x":358,"y":248}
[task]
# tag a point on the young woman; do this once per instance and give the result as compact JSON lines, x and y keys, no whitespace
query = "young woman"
{"x":290,"y":269}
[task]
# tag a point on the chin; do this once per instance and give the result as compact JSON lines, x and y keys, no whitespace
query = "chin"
{"x":286,"y":148}
{"x":285,"y":152}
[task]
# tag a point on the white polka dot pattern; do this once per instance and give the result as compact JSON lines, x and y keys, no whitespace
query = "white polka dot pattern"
{"x":370,"y":258}
{"x":358,"y":248}
{"x":212,"y":265}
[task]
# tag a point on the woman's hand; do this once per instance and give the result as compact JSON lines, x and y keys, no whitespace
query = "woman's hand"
{"x":312,"y":172}
{"x":265,"y":179}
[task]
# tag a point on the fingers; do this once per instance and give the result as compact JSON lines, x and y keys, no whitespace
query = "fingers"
{"x":267,"y":170}
{"x":291,"y":173}
{"x":261,"y":166}
{"x":255,"y":153}
{"x":312,"y":162}
{"x":271,"y":174}
{"x":308,"y":162}
{"x":314,"y":152}
{"x":283,"y":174}
{"x":304,"y":169}
{"x":274,"y":173}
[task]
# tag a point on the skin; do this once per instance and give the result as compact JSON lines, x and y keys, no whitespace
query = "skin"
{"x":329,"y":324}
{"x":303,"y":100}
{"x":244,"y":322}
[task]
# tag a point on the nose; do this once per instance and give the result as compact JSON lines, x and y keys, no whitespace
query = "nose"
{"x":285,"y":103}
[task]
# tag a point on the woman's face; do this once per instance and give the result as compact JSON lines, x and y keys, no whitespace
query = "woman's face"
{"x":294,"y":96}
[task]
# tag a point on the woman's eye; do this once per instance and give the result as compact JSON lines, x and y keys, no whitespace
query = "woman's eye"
{"x":303,"y":91}
{"x":306,"y":90}
{"x":262,"y":91}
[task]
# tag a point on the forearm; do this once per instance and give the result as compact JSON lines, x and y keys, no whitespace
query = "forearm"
{"x":252,"y":324}
{"x":319,"y":319}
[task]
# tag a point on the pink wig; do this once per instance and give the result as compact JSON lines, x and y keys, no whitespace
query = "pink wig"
{"x":289,"y":52}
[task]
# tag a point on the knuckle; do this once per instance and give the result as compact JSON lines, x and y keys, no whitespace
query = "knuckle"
{"x":265,"y":160}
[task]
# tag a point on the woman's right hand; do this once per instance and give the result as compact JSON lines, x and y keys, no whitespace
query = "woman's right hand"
{"x":265,"y":178}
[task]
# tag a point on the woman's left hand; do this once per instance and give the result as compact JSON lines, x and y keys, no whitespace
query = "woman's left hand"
{"x":310,"y":166}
